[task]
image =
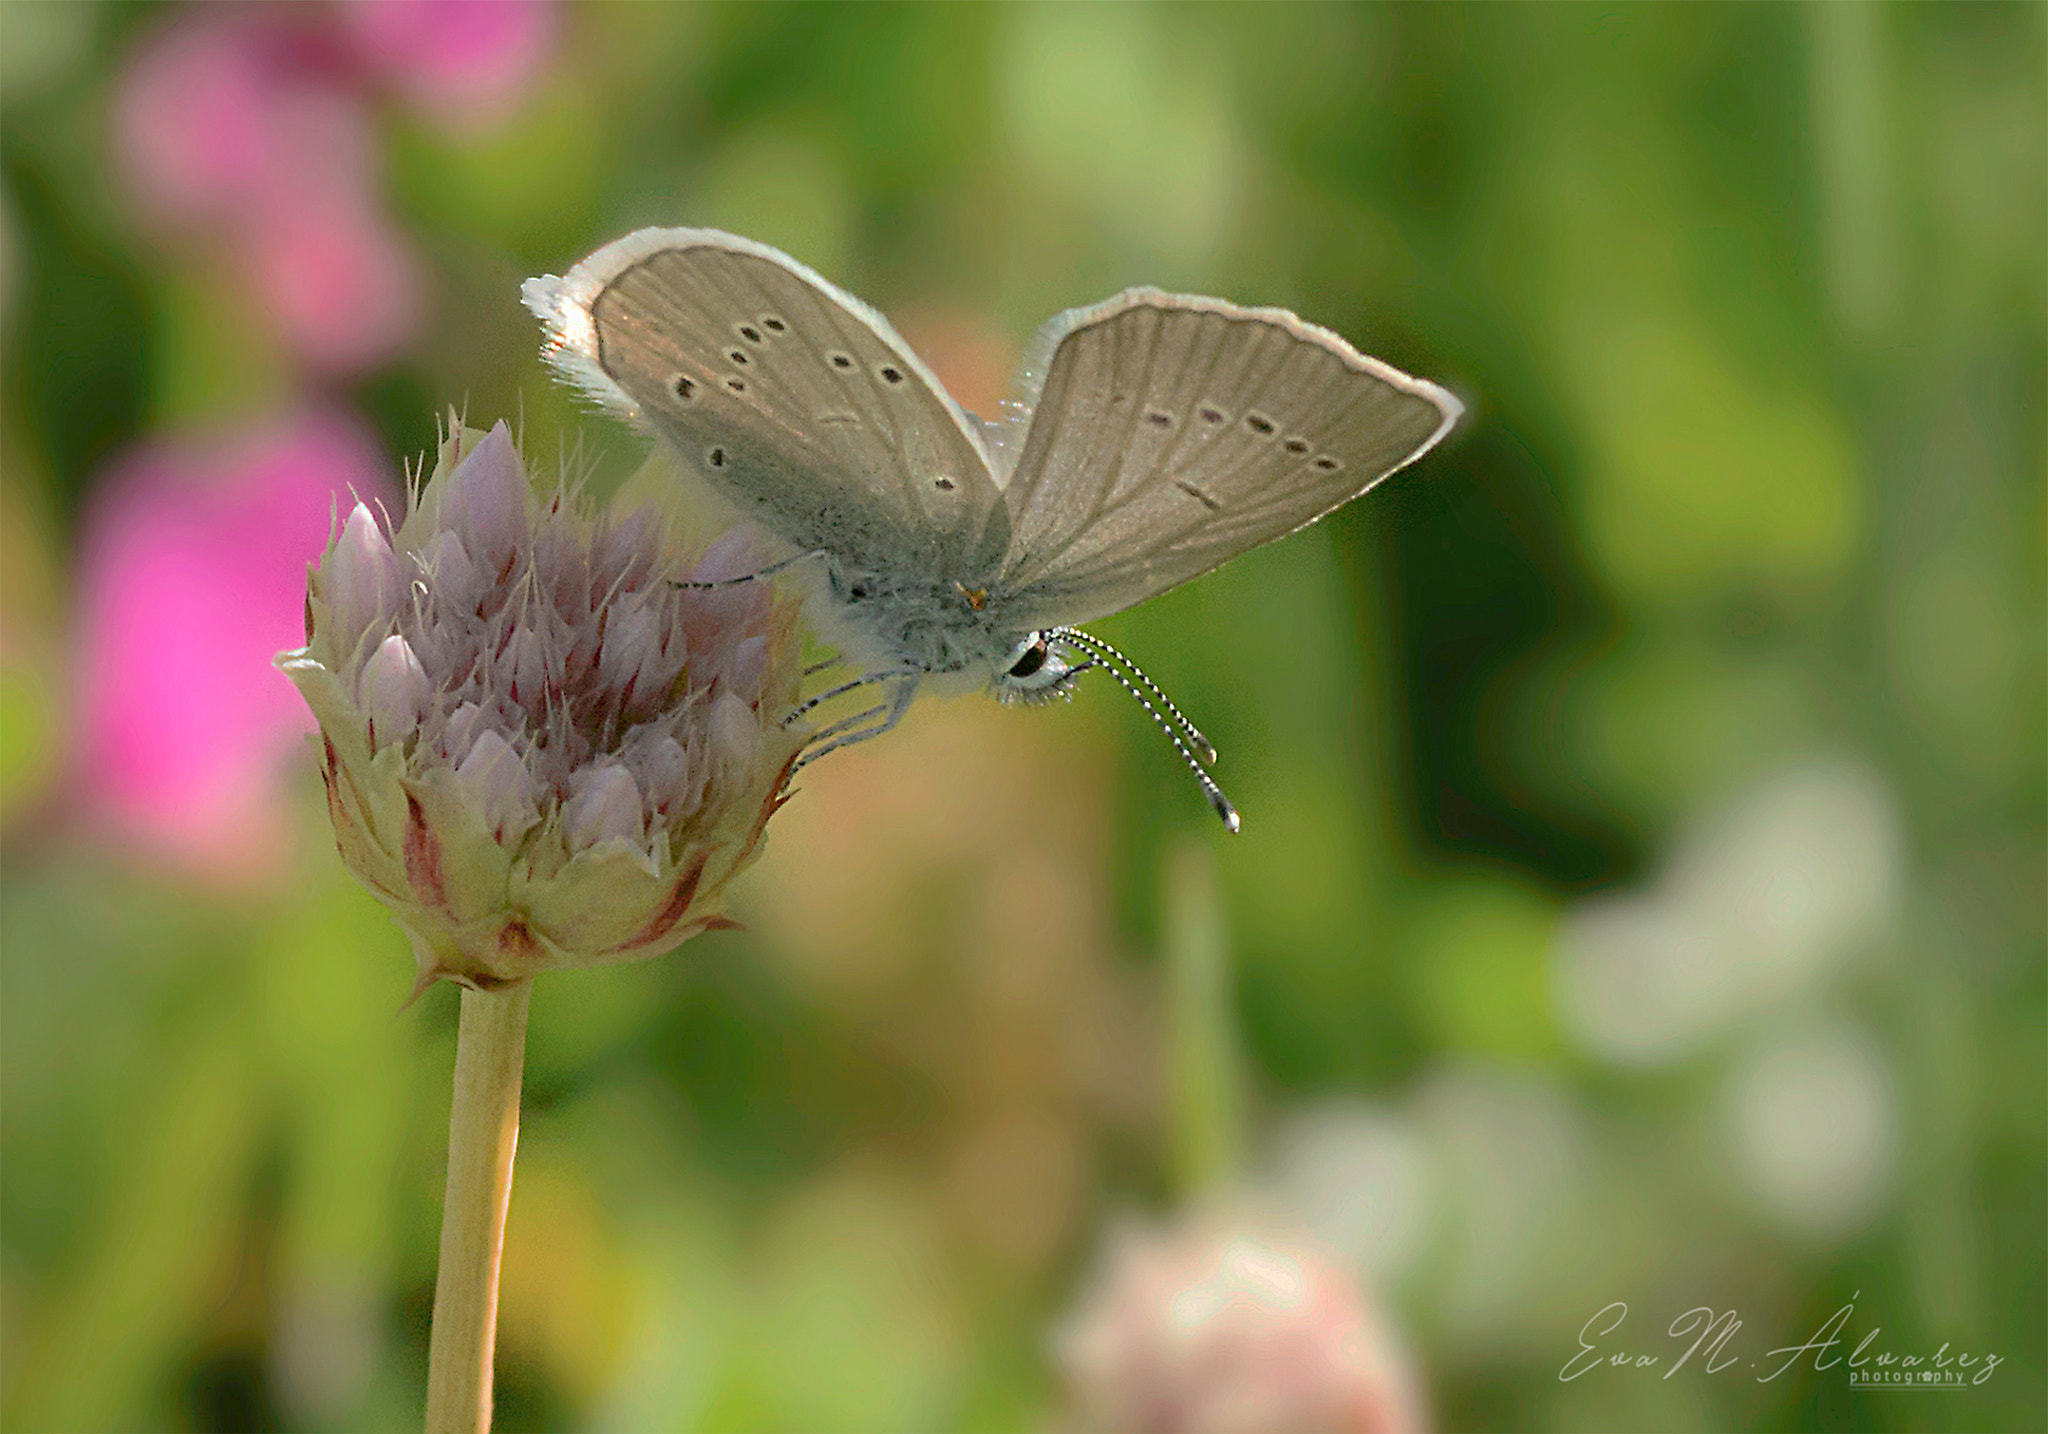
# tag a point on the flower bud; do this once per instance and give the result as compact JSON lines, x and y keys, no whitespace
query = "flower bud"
{"x":606,"y":806}
{"x":539,"y":751}
{"x":365,"y":580}
{"x":394,"y":691}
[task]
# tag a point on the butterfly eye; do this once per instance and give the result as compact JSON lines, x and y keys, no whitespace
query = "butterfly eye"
{"x":1035,"y":672}
{"x":1031,"y":658}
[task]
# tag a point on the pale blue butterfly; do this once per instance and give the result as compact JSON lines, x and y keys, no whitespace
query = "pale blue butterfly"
{"x":1153,"y":437}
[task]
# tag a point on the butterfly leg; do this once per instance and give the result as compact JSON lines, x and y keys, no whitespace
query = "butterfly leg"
{"x":811,"y":704}
{"x":757,"y":575}
{"x":825,"y":735}
{"x":847,"y":732}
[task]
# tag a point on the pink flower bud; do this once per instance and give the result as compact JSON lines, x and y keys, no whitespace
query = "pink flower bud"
{"x":493,"y":778}
{"x":393,"y":692}
{"x":522,"y":670}
{"x":454,"y":581}
{"x":631,"y":643}
{"x":485,"y":503}
{"x":606,"y":806}
{"x":365,"y":580}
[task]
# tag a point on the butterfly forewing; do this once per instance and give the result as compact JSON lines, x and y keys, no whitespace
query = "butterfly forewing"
{"x":795,"y":399}
{"x":1171,"y":433}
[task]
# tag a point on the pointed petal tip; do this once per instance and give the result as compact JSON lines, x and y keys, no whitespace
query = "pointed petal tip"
{"x":427,"y":977}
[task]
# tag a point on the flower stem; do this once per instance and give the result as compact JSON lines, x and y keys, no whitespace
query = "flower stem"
{"x":483,"y":1132}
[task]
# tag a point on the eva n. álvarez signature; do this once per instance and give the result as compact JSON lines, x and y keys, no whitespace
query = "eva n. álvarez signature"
{"x":1706,"y":1334}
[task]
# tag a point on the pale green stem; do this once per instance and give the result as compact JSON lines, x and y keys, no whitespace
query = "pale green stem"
{"x":483,"y":1133}
{"x":1206,"y":1080}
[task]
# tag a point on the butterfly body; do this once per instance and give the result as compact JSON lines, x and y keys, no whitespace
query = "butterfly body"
{"x":1153,"y":437}
{"x":930,"y":625}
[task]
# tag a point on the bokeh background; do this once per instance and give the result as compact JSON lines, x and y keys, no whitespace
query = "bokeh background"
{"x":1641,"y":890}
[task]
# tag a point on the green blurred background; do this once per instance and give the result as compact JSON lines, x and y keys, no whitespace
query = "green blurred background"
{"x":1640,"y":897}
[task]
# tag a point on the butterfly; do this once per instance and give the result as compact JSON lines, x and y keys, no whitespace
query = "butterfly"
{"x":1153,"y":437}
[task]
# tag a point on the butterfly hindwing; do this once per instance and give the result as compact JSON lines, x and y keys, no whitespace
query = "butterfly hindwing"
{"x":1170,"y":433}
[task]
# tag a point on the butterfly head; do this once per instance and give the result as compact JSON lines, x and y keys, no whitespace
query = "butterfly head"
{"x":1034,"y":672}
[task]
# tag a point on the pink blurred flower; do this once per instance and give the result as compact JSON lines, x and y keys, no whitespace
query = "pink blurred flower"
{"x":222,"y":108}
{"x":192,"y":574}
{"x":247,"y":125}
{"x":338,"y":280}
{"x":1207,"y":1328}
{"x":464,"y":61}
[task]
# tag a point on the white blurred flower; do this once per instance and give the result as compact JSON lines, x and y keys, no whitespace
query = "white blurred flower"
{"x":1211,"y":1328}
{"x":1811,"y":1123}
{"x":1759,"y":902}
{"x":540,"y":752}
{"x":1360,"y":1180}
{"x":1522,"y":1219}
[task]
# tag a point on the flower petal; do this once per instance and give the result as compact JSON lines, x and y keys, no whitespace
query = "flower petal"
{"x":361,"y":578}
{"x":605,"y":804}
{"x":394,"y":692}
{"x":494,"y":780}
{"x":484,"y":502}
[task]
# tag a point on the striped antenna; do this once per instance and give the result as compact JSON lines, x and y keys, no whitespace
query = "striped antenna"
{"x":1114,"y":663}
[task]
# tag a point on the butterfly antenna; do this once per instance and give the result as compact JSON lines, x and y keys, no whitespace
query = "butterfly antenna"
{"x":1089,"y":642}
{"x":1102,"y":660}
